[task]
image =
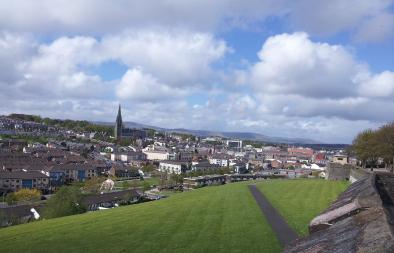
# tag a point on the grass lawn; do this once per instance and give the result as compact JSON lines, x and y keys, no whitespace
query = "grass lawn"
{"x":212,"y":219}
{"x":138,"y":183}
{"x":300,"y":200}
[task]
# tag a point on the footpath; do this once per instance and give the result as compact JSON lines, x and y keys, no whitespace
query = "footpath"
{"x":283,"y":231}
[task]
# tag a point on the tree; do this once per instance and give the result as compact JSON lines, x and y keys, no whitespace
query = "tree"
{"x":11,"y":199}
{"x":93,"y":185}
{"x":371,"y":145}
{"x":126,"y":185}
{"x":224,"y":170}
{"x":385,"y":138}
{"x":365,"y":146}
{"x":146,"y":186}
{"x":148,"y":168}
{"x":177,"y":179}
{"x":27,"y":195}
{"x":66,"y":201}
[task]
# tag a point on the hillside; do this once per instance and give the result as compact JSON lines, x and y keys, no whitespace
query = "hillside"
{"x":206,"y":133}
{"x":212,"y":219}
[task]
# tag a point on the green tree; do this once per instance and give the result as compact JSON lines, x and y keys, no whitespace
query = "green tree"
{"x":126,"y":185}
{"x":11,"y":198}
{"x":148,"y":168}
{"x":93,"y":185}
{"x":366,"y":147}
{"x":177,"y":179}
{"x":27,"y":195}
{"x":146,"y":186}
{"x":385,"y":140}
{"x":66,"y":201}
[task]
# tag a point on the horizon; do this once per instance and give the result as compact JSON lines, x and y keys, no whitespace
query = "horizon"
{"x":275,"y":68}
{"x":147,"y":126}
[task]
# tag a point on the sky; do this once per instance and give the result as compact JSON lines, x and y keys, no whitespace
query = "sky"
{"x":322,"y":70}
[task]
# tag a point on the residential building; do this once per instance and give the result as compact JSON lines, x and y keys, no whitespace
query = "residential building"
{"x":158,"y":155}
{"x":235,"y":145}
{"x":173,"y":167}
{"x":129,"y":156}
{"x":197,"y":182}
{"x":76,"y":172}
{"x":341,"y":159}
{"x":205,"y":166}
{"x":111,"y":199}
{"x":14,"y":181}
{"x":123,"y":171}
{"x":219,"y":159}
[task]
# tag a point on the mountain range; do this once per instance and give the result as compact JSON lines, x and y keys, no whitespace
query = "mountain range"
{"x":233,"y":135}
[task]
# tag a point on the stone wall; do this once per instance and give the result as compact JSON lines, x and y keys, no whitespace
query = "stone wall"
{"x":336,"y":171}
{"x":358,"y":221}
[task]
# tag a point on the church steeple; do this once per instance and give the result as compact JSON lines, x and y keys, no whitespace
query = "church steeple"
{"x":118,"y":125}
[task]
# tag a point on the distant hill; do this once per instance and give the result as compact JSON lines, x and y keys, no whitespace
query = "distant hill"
{"x":234,"y":135}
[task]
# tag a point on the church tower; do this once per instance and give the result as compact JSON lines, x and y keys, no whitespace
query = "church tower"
{"x":118,"y":126}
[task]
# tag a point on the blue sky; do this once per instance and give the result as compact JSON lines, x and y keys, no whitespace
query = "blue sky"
{"x":322,"y":70}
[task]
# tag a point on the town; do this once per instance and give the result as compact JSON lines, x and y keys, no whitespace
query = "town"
{"x":196,"y":126}
{"x":145,"y":163}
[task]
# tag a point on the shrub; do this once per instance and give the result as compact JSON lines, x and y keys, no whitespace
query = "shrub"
{"x":66,"y":201}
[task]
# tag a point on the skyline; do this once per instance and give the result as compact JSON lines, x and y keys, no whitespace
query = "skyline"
{"x":276,"y":68}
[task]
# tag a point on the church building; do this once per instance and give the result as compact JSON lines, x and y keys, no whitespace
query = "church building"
{"x":121,"y":132}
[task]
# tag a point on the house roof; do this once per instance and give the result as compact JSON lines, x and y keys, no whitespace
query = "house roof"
{"x":22,"y":175}
{"x":173,"y":162}
{"x":110,"y":196}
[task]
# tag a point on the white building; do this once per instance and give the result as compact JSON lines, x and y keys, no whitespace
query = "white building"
{"x":157,"y":155}
{"x":222,"y":162}
{"x":341,"y":159}
{"x":128,"y":156}
{"x":235,"y":145}
{"x":172,"y":167}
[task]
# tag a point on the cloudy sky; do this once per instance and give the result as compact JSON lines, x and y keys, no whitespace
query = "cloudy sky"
{"x":316,"y":69}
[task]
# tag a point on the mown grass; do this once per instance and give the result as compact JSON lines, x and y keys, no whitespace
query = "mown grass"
{"x":139,"y":183}
{"x":212,"y":219}
{"x":300,"y":200}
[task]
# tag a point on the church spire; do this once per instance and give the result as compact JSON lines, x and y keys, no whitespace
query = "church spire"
{"x":118,"y":125}
{"x":119,"y":116}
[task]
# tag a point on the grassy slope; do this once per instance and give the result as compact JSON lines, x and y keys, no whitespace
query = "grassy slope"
{"x":138,"y":183}
{"x":212,"y":219}
{"x":299,"y":201}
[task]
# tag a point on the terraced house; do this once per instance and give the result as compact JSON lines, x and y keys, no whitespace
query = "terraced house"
{"x":76,"y":172}
{"x":13,"y":181}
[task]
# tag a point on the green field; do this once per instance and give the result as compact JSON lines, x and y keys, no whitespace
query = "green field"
{"x":299,"y":201}
{"x":139,"y":183}
{"x":212,"y":219}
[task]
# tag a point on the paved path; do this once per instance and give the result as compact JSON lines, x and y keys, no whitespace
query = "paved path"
{"x":283,"y":231}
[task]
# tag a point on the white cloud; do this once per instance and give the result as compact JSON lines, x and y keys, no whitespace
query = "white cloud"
{"x":97,"y":17}
{"x":177,"y":57}
{"x":379,"y":85}
{"x":376,"y":29}
{"x":136,"y":84}
{"x":330,"y":17}
{"x":174,"y":61}
{"x":293,"y":64}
